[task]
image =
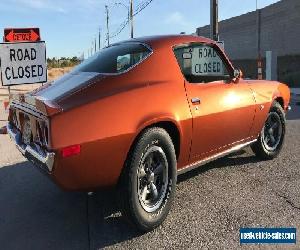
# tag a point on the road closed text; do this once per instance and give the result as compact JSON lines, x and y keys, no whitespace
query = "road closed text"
{"x":28,"y":71}
{"x":23,"y":63}
{"x":206,"y":61}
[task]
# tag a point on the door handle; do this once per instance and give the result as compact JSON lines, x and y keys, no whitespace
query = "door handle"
{"x":196,"y":100}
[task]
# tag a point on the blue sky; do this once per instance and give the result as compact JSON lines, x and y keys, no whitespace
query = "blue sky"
{"x":69,"y":27}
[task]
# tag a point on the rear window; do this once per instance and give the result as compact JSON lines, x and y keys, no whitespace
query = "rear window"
{"x":115,"y":59}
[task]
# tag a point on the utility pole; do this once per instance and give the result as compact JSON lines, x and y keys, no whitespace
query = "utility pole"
{"x":95,"y":45}
{"x":131,"y":17}
{"x":107,"y":24}
{"x":259,"y":59}
{"x":214,"y":20}
{"x":99,"y":39}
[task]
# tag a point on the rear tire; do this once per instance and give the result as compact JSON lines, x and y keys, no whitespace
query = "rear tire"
{"x":147,"y":185}
{"x":271,"y":138}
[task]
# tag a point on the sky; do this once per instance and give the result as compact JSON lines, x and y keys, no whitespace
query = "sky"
{"x":70,"y":27}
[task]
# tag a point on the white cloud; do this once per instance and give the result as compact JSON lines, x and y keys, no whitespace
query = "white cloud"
{"x":41,"y":4}
{"x":176,"y":18}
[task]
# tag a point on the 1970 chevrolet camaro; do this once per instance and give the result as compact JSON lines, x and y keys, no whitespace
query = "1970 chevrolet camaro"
{"x":142,"y":111}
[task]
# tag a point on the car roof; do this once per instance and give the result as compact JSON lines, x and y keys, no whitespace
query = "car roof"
{"x":170,"y":40}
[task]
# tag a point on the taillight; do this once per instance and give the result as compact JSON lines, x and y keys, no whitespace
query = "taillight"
{"x":70,"y":151}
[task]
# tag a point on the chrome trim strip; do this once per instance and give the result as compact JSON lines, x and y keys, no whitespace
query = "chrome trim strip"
{"x":47,"y":160}
{"x":214,"y":157}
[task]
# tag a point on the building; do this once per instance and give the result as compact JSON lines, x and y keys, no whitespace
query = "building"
{"x":274,"y":28}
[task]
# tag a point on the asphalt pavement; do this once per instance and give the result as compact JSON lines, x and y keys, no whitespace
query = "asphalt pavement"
{"x":212,"y":203}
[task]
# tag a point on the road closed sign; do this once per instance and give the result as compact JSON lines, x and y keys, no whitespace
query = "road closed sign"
{"x":23,"y":63}
{"x":206,"y":62}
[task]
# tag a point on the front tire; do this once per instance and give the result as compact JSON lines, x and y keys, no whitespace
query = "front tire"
{"x":271,"y":138}
{"x":147,"y":185}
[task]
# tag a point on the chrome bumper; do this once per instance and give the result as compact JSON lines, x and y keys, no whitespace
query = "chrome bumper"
{"x":45,"y":159}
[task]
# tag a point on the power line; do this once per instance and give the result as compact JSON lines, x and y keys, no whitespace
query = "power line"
{"x":139,"y":9}
{"x":142,"y":6}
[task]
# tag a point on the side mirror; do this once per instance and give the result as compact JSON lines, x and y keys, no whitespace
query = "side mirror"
{"x":187,"y":55}
{"x":237,"y":74}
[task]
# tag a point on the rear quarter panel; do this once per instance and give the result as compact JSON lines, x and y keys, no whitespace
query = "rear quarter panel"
{"x":106,"y":118}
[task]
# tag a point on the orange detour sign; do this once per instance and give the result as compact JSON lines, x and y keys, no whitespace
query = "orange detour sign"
{"x":22,"y":35}
{"x":6,"y":106}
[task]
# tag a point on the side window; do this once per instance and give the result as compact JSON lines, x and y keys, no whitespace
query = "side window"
{"x":201,"y":64}
{"x":125,"y":62}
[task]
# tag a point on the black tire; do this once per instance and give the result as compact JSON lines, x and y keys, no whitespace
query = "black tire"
{"x":152,"y":147}
{"x":261,"y":147}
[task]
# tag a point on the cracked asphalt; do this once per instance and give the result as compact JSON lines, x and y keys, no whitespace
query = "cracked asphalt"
{"x":212,"y":203}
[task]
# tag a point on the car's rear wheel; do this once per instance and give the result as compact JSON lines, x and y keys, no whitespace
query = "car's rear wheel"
{"x":271,"y":138}
{"x":147,"y":185}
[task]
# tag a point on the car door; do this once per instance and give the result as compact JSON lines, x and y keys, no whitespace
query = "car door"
{"x":222,"y":109}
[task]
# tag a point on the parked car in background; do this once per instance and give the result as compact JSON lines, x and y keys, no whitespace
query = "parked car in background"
{"x":139,"y":113}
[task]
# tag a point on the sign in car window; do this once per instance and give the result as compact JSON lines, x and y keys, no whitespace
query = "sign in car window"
{"x":206,"y":61}
{"x":23,"y":63}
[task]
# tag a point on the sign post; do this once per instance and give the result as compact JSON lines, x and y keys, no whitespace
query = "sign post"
{"x":22,"y":57}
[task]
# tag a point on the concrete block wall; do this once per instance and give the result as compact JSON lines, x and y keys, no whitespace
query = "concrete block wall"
{"x":280,"y":31}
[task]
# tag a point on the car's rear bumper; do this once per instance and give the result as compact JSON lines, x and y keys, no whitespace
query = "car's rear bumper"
{"x":41,"y":158}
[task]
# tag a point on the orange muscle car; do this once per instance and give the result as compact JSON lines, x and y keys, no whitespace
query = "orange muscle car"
{"x":142,"y":111}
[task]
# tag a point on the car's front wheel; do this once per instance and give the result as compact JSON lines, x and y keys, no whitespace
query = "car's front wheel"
{"x":147,"y":185}
{"x":271,"y":138}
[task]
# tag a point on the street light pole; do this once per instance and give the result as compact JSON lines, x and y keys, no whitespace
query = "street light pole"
{"x":99,"y":39}
{"x":259,"y":59}
{"x":214,"y":20}
{"x":107,"y":24}
{"x":129,"y":15}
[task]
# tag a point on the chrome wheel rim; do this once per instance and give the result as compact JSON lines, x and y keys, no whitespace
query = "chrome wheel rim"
{"x":272,"y":132}
{"x":152,"y":179}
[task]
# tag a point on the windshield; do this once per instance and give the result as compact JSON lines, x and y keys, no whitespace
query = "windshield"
{"x":115,"y":59}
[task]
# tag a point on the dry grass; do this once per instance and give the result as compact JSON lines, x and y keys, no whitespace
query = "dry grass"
{"x":53,"y":74}
{"x":57,"y":72}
